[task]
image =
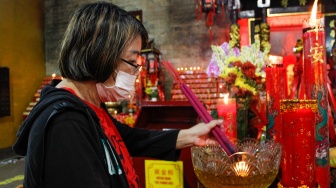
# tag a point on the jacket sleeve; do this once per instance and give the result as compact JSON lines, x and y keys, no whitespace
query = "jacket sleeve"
{"x":160,"y":144}
{"x":73,"y":154}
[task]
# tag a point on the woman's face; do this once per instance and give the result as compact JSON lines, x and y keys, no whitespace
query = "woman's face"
{"x":129,"y":56}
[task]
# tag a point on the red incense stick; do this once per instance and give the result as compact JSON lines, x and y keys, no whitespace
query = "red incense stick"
{"x":224,"y":142}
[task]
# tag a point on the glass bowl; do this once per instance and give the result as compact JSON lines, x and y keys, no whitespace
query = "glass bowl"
{"x":255,"y":165}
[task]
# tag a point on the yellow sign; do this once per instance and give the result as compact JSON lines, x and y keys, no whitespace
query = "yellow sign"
{"x":163,"y":174}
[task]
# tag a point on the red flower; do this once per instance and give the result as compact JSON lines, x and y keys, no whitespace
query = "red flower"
{"x":249,"y":70}
{"x":231,"y":78}
{"x":237,"y":64}
{"x":243,"y":92}
{"x":258,"y":80}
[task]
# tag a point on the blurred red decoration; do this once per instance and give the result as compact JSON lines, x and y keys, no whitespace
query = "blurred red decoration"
{"x":210,"y":8}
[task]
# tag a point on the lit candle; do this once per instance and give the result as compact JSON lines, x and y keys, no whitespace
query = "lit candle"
{"x":241,"y":169}
{"x":275,"y":91}
{"x":315,"y":70}
{"x":53,"y":76}
{"x":315,"y":81}
{"x":226,"y":109}
{"x":298,"y":143}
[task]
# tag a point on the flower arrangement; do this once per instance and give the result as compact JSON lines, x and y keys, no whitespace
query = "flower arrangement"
{"x":152,"y":91}
{"x":242,"y":70}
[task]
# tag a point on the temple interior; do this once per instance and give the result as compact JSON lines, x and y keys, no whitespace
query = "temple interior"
{"x":274,"y":65}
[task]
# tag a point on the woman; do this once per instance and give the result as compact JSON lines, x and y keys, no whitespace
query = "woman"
{"x":69,"y":139}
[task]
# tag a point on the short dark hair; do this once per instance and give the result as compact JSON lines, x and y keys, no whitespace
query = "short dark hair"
{"x":97,"y":35}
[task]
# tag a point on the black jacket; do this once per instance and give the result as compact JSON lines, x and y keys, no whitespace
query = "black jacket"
{"x":64,"y":144}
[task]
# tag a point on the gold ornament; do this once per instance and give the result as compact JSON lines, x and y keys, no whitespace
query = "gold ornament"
{"x":332,"y":33}
{"x":264,"y":35}
{"x":301,"y":186}
{"x":332,"y":24}
{"x":303,"y":2}
{"x":298,"y":46}
{"x":332,"y":42}
{"x":284,"y":3}
{"x":234,"y":36}
{"x":257,"y":33}
{"x":293,"y":105}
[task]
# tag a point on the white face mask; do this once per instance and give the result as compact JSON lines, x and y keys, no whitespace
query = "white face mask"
{"x":123,"y":88}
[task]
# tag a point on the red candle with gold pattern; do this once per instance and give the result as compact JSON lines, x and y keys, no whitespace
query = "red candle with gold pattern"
{"x":298,"y":143}
{"x":315,"y":81}
{"x":275,"y":91}
{"x":226,"y":109}
{"x":315,"y":66}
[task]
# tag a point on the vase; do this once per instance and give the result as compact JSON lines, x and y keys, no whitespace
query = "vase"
{"x":242,"y":117}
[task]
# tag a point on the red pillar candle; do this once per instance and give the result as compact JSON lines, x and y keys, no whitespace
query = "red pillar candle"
{"x":275,"y":91}
{"x":315,"y":66}
{"x":298,"y":143}
{"x":315,"y":81}
{"x":226,"y":109}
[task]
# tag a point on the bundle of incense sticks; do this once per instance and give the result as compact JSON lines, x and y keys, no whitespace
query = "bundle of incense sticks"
{"x":219,"y":135}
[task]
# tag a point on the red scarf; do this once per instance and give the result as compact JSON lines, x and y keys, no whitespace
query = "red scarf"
{"x":116,"y":141}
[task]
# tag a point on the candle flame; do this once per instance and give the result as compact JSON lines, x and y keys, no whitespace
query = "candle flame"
{"x":314,"y":11}
{"x":274,"y":60}
{"x":242,"y":169}
{"x":226,"y":98}
{"x":53,"y":75}
{"x":313,"y":21}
